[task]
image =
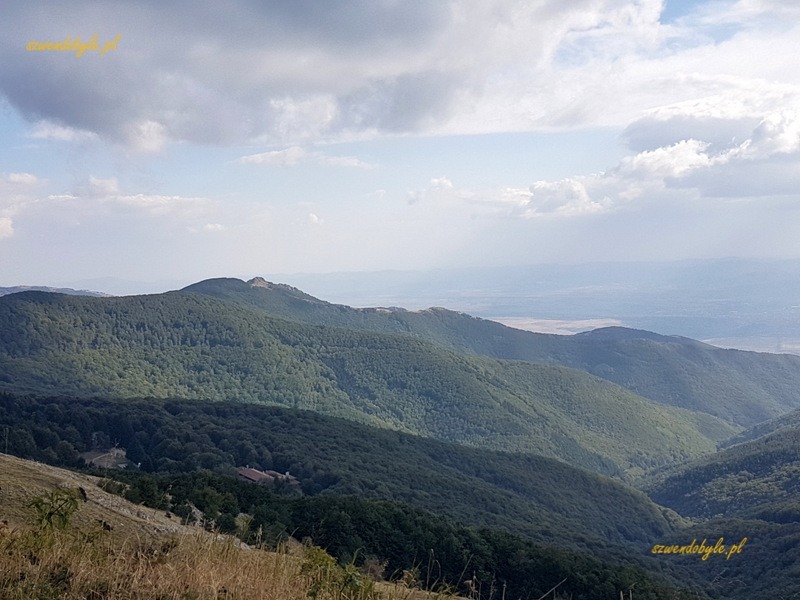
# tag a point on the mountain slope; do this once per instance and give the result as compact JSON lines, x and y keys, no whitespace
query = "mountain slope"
{"x":84,"y":560}
{"x":743,"y":388}
{"x":186,"y":345}
{"x":755,"y":479}
{"x":538,"y":497}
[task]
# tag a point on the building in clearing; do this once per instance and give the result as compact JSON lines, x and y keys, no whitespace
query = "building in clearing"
{"x":252,"y":475}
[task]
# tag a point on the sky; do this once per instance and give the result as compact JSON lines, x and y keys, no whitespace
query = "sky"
{"x":202,"y":139}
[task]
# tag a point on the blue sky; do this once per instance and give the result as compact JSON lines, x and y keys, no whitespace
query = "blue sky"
{"x":252,"y":137}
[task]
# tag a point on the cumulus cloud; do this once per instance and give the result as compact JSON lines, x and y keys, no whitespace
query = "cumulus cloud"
{"x":24,"y":179}
{"x":18,"y":191}
{"x":289,"y":74}
{"x":567,"y":198}
{"x":667,"y":162}
{"x":761,"y":161}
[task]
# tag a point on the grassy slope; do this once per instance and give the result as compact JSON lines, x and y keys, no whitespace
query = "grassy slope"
{"x":144,"y":554}
{"x":741,"y":387}
{"x":190,"y":346}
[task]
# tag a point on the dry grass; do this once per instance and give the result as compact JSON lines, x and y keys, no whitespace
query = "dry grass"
{"x":74,"y":564}
{"x":147,"y":556}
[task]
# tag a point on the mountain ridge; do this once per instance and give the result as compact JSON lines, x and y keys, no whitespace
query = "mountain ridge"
{"x":742,"y":387}
{"x":189,"y":345}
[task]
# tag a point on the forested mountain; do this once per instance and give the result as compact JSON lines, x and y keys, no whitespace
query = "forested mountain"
{"x":791,"y":419}
{"x":540,"y":498}
{"x":743,"y":388}
{"x":142,"y":553}
{"x":187,"y":345}
{"x":436,"y":410}
{"x":754,"y":479}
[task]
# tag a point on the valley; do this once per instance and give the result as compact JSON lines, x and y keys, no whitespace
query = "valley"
{"x":601,"y":445}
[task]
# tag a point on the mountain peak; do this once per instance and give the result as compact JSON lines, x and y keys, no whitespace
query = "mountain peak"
{"x":259,"y":282}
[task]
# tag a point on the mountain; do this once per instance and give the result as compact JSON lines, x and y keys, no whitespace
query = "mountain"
{"x":759,"y":478}
{"x":40,"y":288}
{"x":740,"y":303}
{"x":791,"y":419}
{"x":540,"y":498}
{"x":111,"y":548}
{"x":191,"y":345}
{"x":743,"y":388}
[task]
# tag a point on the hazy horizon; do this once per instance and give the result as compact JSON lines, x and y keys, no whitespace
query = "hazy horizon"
{"x":740,"y":303}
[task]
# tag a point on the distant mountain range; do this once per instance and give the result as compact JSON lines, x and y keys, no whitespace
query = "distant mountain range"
{"x":741,"y":303}
{"x":449,"y":413}
{"x":731,"y":302}
{"x":613,"y":400}
{"x":742,"y":388}
{"x":41,"y":288}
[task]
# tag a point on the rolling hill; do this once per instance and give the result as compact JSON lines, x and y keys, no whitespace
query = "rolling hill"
{"x":188,"y":345}
{"x":743,"y":388}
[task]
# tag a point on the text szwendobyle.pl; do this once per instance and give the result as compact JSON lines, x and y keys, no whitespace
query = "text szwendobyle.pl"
{"x":76,"y":46}
{"x":702,"y":549}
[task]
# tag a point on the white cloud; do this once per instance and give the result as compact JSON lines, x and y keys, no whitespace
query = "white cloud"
{"x":766,"y":162}
{"x":17,"y":193}
{"x":22,"y":178}
{"x":98,"y":194}
{"x":285,"y":158}
{"x":45,"y":130}
{"x":146,"y":136}
{"x":102,"y":188}
{"x":280,"y":74}
{"x":666,"y":162}
{"x":565,"y":198}
{"x":778,"y":133}
{"x":295,"y":155}
{"x":441,"y":183}
{"x":6,"y":227}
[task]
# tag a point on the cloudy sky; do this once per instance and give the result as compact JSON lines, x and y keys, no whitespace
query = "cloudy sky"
{"x":246,"y":137}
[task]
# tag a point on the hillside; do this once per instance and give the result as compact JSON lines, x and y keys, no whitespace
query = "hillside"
{"x":114,"y":549}
{"x":540,"y":498}
{"x":791,"y":419}
{"x":754,"y":479}
{"x":767,"y":566}
{"x":186,"y":345}
{"x":743,"y":388}
{"x":80,"y":559}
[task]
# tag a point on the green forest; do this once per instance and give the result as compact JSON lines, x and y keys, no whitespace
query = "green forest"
{"x":183,"y":345}
{"x":426,"y":440}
